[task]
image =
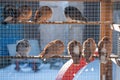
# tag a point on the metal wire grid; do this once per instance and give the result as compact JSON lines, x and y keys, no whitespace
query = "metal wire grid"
{"x":44,"y":33}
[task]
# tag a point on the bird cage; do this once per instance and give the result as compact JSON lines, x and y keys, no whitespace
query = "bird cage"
{"x":45,"y":39}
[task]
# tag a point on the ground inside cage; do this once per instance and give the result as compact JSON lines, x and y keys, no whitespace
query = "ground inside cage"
{"x":90,"y":71}
{"x":45,"y":73}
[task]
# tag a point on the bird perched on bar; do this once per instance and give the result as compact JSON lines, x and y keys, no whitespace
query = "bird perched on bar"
{"x":10,"y":12}
{"x":53,"y":48}
{"x":23,"y":48}
{"x":43,"y":14}
{"x":72,"y":13}
{"x":71,"y":67}
{"x":89,"y":47}
{"x":25,"y":13}
{"x":75,"y":50}
{"x":104,"y":49}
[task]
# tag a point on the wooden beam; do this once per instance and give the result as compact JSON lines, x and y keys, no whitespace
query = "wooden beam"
{"x":115,"y":0}
{"x":35,"y":57}
{"x":47,"y":0}
{"x":64,"y":22}
{"x":106,"y":13}
{"x":55,"y":0}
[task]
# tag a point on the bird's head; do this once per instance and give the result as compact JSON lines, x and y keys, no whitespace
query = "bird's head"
{"x":23,"y":43}
{"x":75,"y":50}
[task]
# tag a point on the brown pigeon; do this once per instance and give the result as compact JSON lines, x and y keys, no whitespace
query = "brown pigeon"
{"x":44,"y":13}
{"x":75,"y":50}
{"x":89,"y":47}
{"x":53,"y":48}
{"x":25,"y":13}
{"x":104,"y":49}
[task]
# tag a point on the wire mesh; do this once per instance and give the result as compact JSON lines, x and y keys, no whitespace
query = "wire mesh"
{"x":75,"y":23}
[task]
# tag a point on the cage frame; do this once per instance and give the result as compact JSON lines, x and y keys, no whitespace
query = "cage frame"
{"x":104,"y":23}
{"x":61,"y":0}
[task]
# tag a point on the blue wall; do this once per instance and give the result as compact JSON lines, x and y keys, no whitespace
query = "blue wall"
{"x":9,"y":34}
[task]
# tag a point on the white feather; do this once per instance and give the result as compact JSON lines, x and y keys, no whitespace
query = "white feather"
{"x":76,"y":50}
{"x":103,"y":59}
{"x":103,"y":49}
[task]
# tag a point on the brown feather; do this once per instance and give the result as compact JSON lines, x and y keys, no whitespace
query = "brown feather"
{"x":106,"y":43}
{"x":75,"y":50}
{"x":55,"y":47}
{"x":89,"y":47}
{"x":72,"y":44}
{"x":44,"y":13}
{"x":25,"y":13}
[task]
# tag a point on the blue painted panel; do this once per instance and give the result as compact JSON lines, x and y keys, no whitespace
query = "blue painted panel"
{"x":9,"y":34}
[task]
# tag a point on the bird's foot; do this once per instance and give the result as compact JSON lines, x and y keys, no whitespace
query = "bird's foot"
{"x":35,"y":67}
{"x":17,"y":68}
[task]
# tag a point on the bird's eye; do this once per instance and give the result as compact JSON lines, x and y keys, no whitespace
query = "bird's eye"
{"x":26,"y":46}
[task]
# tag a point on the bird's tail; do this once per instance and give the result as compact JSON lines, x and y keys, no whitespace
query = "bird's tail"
{"x":41,"y":55}
{"x":6,"y":20}
{"x":84,"y":19}
{"x":4,"y":23}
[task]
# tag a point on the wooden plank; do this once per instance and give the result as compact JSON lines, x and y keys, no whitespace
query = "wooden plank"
{"x":106,"y":11}
{"x":55,"y":0}
{"x":34,"y":57}
{"x":106,"y":14}
{"x":115,"y":27}
{"x":66,"y":22}
{"x":115,"y":0}
{"x":47,"y":0}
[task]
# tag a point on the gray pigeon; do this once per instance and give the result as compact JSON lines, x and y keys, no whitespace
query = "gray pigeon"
{"x":10,"y":12}
{"x":74,"y":14}
{"x":23,"y":48}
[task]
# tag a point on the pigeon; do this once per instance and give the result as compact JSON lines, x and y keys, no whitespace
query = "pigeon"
{"x":10,"y":12}
{"x":104,"y":49}
{"x":25,"y":13}
{"x":72,"y":13}
{"x":43,"y":14}
{"x":23,"y":48}
{"x":89,"y":47}
{"x":75,"y":50}
{"x":53,"y":48}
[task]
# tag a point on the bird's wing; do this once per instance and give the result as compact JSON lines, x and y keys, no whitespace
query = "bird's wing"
{"x":72,"y":13}
{"x":37,"y":16}
{"x":25,"y":13}
{"x":43,"y":13}
{"x":53,"y":48}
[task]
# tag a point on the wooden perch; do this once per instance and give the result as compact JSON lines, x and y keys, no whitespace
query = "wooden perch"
{"x":115,"y":27}
{"x":56,"y":56}
{"x":65,"y":22}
